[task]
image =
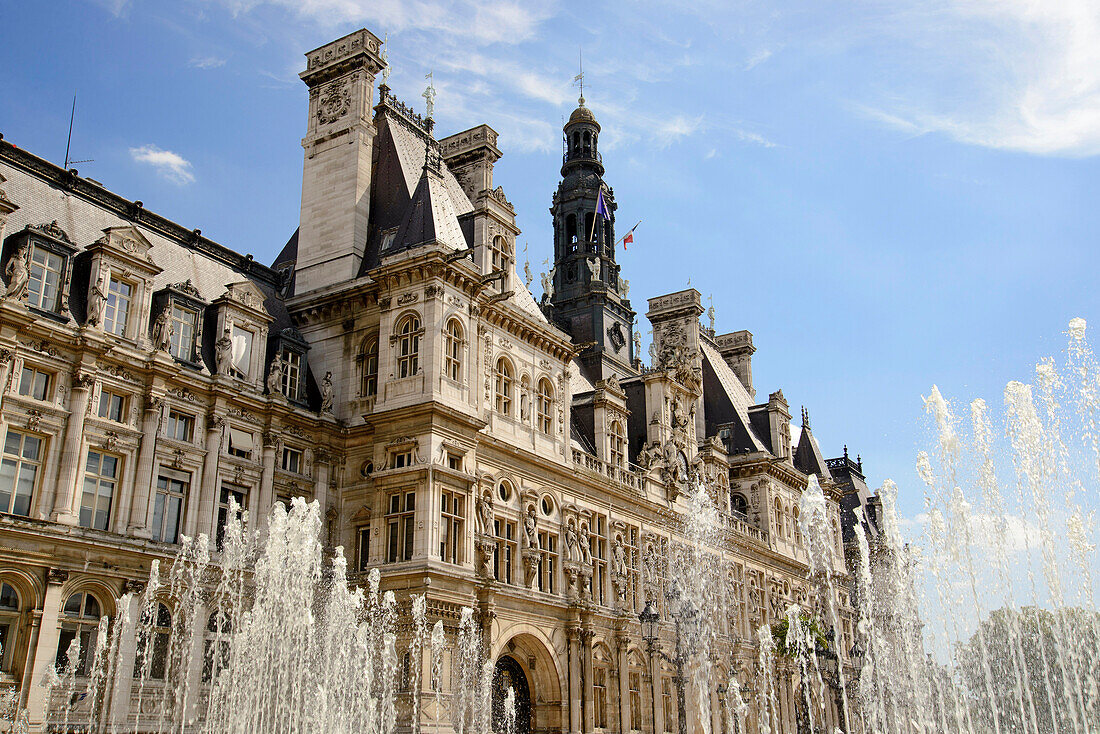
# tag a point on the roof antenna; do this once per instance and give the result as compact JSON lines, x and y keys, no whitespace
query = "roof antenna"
{"x":68,"y":142}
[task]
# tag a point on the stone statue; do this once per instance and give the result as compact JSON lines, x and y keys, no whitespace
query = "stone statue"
{"x":572,"y":543}
{"x":527,"y":278}
{"x":594,"y":268}
{"x":637,"y":343}
{"x":649,"y":455}
{"x":485,"y":513}
{"x":618,"y":558}
{"x":18,"y":275}
{"x":710,"y":315}
{"x":162,"y":329}
{"x":586,"y":550}
{"x":626,"y":287}
{"x":679,"y":420}
{"x":223,"y":353}
{"x":530,"y":529}
{"x":326,"y":393}
{"x":275,"y":376}
{"x":97,"y":297}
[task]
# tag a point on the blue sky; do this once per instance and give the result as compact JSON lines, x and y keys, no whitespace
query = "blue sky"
{"x":888,"y":194}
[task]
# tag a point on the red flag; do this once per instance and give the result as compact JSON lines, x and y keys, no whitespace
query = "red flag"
{"x":628,"y":239}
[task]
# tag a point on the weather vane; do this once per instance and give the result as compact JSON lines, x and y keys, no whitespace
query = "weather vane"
{"x":385,"y":60}
{"x":429,"y":96}
{"x":579,"y":78}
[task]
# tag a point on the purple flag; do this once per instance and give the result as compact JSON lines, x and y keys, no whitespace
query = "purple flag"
{"x":601,"y":207}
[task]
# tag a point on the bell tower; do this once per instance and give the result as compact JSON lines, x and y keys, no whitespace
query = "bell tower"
{"x":589,"y":298}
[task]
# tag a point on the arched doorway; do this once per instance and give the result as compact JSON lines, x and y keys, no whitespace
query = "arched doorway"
{"x":508,"y":673}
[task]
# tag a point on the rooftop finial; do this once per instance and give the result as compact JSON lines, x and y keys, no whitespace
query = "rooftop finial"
{"x":805,"y":418}
{"x":429,"y":97}
{"x":385,"y":60}
{"x":579,"y":78}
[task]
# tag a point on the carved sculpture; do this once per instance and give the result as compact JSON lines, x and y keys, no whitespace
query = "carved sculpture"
{"x":18,"y":275}
{"x":530,"y":529}
{"x":223,"y":353}
{"x":97,"y":298}
{"x":162,"y":330}
{"x":326,"y":393}
{"x":485,"y":513}
{"x":572,"y":543}
{"x":275,"y":376}
{"x":594,"y":268}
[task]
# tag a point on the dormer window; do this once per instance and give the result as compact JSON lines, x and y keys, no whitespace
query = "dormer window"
{"x":184,"y":323}
{"x":292,"y":374}
{"x":116,"y":315}
{"x":47,"y":272}
{"x":242,"y":352}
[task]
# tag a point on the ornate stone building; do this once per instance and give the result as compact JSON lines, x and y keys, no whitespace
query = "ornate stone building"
{"x":517,"y":457}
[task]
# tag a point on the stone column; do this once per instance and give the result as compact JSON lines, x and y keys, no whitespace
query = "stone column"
{"x":44,"y":655}
{"x":66,"y":504}
{"x":624,"y":682}
{"x":267,"y":483}
{"x":143,"y":479}
{"x":586,"y":689}
{"x":655,"y":683}
{"x":201,"y":517}
{"x":321,"y":461}
{"x":195,"y":699}
{"x":573,"y":644}
{"x":127,"y":652}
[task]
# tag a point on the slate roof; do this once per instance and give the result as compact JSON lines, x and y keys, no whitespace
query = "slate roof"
{"x":733,"y":402}
{"x":808,"y":458}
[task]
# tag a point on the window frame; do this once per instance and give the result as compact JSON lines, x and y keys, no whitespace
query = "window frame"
{"x":290,"y":452}
{"x":368,"y":358}
{"x":400,"y":522}
{"x":544,"y":406}
{"x":170,"y":476}
{"x":407,"y":337}
{"x":177,"y":418}
{"x":79,"y":624}
{"x":100,"y":480}
{"x":10,"y":622}
{"x":106,"y":411}
{"x":616,"y":444}
{"x":292,"y":382}
{"x":36,"y":373}
{"x":20,"y":462}
{"x":504,"y":378}
{"x":112,"y":323}
{"x":452,"y":523}
{"x":453,"y":347}
{"x":225,"y":490}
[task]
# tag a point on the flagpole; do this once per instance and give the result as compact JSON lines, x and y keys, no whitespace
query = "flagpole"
{"x":628,"y":232}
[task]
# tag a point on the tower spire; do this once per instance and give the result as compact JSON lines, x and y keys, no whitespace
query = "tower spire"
{"x":579,"y":78}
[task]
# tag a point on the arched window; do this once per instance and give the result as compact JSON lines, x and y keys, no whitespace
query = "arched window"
{"x":778,"y":518}
{"x":587,"y":143}
{"x":618,"y":453}
{"x":576,"y":141}
{"x":545,"y":406}
{"x":215,"y":649}
{"x":797,"y":526}
{"x":504,"y":380}
{"x":9,"y":624}
{"x":154,"y":635}
{"x":80,"y":620}
{"x":499,"y":259}
{"x":738,"y":504}
{"x":571,"y":229}
{"x":369,"y":366}
{"x":408,"y":346}
{"x":452,"y":351}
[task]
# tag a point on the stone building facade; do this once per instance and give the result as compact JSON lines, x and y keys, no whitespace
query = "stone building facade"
{"x":495,"y":452}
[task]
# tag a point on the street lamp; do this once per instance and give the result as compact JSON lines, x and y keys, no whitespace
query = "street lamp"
{"x":687,"y":625}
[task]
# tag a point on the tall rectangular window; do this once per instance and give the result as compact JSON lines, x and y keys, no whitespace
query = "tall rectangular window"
{"x":34,"y":383}
{"x":181,"y":426}
{"x":19,"y":471}
{"x":184,"y":321}
{"x":172,"y":488}
{"x":363,"y":549}
{"x":635,"y":682}
{"x":598,"y":546}
{"x":45,"y":278}
{"x":112,"y":406}
{"x":230,"y":494}
{"x":241,"y":354}
{"x":240,"y":443}
{"x":117,"y":312}
{"x":292,"y":374}
{"x":599,"y":698}
{"x":100,"y":480}
{"x":666,"y":703}
{"x":451,"y":522}
{"x":400,"y":526}
{"x":505,"y":557}
{"x":292,"y":460}
{"x":548,"y":561}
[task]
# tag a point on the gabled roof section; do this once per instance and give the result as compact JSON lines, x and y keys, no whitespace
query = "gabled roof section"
{"x":410,"y":149}
{"x":808,"y":458}
{"x":732,"y":401}
{"x":430,"y":217}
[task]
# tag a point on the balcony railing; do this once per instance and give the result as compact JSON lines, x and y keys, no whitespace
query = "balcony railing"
{"x":617,"y":474}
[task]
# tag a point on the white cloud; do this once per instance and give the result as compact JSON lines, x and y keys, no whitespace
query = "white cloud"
{"x":1009,"y":74}
{"x":758,"y":58}
{"x":502,"y":21}
{"x":206,"y":62}
{"x":676,"y":128}
{"x":170,"y":166}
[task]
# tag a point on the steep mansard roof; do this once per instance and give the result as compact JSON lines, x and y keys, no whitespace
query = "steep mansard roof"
{"x":727,"y":400}
{"x":808,"y":458}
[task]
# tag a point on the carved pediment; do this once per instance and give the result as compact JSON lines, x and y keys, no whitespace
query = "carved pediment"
{"x":247,"y":295}
{"x":362,"y":515}
{"x":129,"y":245}
{"x":51,"y":230}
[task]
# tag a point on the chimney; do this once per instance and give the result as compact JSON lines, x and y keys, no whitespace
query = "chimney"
{"x":737,"y":350}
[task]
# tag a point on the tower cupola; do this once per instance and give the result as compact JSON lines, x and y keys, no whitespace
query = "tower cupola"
{"x":580,"y":141}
